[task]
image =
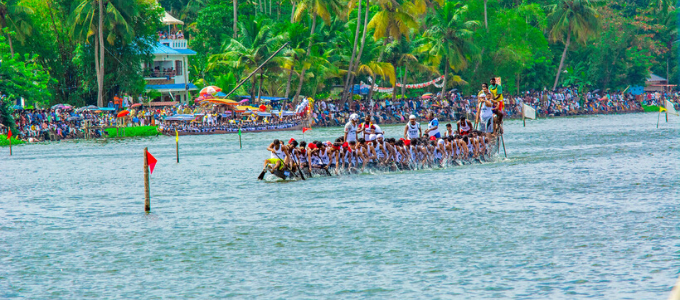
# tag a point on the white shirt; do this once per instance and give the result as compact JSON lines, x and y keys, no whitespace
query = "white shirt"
{"x":351,"y":131}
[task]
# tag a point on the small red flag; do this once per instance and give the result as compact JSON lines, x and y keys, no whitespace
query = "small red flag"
{"x":305,"y":129}
{"x":9,"y":134}
{"x":151,"y":160}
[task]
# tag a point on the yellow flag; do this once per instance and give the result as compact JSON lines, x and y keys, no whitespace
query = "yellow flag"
{"x":176,"y":136}
{"x":662,"y":109}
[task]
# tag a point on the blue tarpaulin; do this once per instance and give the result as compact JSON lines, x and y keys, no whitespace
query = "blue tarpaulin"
{"x":267,"y":98}
{"x":361,"y":90}
{"x":185,"y":117}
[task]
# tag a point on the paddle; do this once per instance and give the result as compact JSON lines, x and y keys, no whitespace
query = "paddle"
{"x":264,"y":171}
{"x":297,"y":167}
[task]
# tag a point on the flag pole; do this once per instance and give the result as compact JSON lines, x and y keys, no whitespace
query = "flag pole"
{"x":10,"y":146}
{"x":239,"y":137}
{"x":177,"y":149}
{"x":657,"y":120}
{"x":147,"y":197}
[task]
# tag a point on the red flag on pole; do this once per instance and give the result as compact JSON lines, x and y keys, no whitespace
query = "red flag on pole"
{"x":9,"y":134}
{"x":152,"y":161}
{"x":305,"y":129}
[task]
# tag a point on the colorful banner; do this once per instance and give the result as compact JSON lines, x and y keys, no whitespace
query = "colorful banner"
{"x":437,"y":82}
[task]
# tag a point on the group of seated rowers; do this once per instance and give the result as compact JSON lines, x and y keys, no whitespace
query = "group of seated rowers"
{"x":375,"y":151}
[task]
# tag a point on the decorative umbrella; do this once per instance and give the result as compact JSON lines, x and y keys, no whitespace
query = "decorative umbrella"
{"x":136,"y":104}
{"x":123,"y":113}
{"x":243,"y":101}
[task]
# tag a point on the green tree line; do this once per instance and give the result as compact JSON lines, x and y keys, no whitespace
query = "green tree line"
{"x":93,"y":49}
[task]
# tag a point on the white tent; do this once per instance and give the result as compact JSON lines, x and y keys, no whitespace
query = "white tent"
{"x":170,"y":20}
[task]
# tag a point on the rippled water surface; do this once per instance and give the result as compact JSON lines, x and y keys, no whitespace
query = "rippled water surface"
{"x":583,"y":207}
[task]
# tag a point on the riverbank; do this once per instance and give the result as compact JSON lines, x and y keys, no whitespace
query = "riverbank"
{"x":137,"y":131}
{"x":4,"y":142}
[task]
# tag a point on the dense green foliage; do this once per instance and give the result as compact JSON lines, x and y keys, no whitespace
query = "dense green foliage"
{"x":334,"y":43}
{"x":4,"y":142}
{"x":133,"y":131}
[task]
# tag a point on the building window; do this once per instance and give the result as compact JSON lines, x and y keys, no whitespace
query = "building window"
{"x":178,"y":67}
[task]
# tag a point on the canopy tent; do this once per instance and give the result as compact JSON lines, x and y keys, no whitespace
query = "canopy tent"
{"x":170,"y":20}
{"x":219,"y":101}
{"x":267,"y":98}
{"x":184,"y":117}
{"x":105,"y":108}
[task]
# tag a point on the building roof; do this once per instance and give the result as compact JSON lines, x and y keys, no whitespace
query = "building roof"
{"x":170,"y":20}
{"x":654,"y":77}
{"x":163,"y":49}
{"x":171,"y":87}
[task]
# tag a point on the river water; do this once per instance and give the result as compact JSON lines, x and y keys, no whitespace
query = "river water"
{"x":583,"y":207}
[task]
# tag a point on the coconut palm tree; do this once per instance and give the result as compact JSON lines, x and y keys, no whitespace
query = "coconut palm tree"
{"x":449,"y":39}
{"x":91,"y":18}
{"x":315,"y":8}
{"x":577,"y":18}
{"x":15,"y":16}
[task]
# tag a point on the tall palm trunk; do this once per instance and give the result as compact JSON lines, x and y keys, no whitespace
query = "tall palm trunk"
{"x":100,"y":90}
{"x":235,"y":17}
{"x":403,"y":82}
{"x":270,"y":7}
{"x":446,"y":74}
{"x":309,"y":51}
{"x":354,"y":50}
{"x":564,"y":55}
{"x":486,"y":21}
{"x":11,"y":48}
{"x":361,"y":50}
{"x":292,"y":12}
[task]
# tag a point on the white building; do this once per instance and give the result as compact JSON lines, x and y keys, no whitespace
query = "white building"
{"x":169,"y":71}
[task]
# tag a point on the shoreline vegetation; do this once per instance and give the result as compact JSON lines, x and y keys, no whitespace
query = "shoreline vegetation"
{"x":138,"y":131}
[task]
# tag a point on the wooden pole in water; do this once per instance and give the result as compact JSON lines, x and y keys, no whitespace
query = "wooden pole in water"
{"x":658,"y":119}
{"x":177,"y":149}
{"x":239,"y":138}
{"x":10,"y":146}
{"x":147,"y":197}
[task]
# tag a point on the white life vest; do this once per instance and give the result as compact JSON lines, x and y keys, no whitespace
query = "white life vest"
{"x":278,"y":152}
{"x":412,"y":131}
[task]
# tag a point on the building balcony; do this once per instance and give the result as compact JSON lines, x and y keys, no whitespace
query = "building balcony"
{"x":174,"y":43}
{"x":159,"y":81}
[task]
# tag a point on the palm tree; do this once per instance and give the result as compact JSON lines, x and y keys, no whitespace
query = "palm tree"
{"x":295,"y":33}
{"x":316,"y":8}
{"x":354,"y":47}
{"x":572,"y":17}
{"x":449,"y":38}
{"x":16,"y":15}
{"x":250,"y":51}
{"x":235,"y":17}
{"x":114,"y":16}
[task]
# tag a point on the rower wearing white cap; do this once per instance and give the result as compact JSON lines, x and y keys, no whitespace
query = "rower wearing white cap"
{"x":351,"y":128}
{"x":412,"y":129}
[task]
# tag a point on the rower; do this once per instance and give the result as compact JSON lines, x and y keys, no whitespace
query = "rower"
{"x":433,"y":126}
{"x":464,"y":126}
{"x":449,"y":130}
{"x":368,"y":128}
{"x":412,"y":129}
{"x":351,"y":129}
{"x":276,"y":157}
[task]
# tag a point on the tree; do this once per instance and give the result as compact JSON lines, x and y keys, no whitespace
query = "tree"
{"x":572,"y":17}
{"x":315,"y":8}
{"x":117,"y":16}
{"x":16,"y":15}
{"x":449,"y":38}
{"x":21,"y":77}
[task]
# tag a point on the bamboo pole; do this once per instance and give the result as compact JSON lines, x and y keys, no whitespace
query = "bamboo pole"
{"x":177,"y":149}
{"x":10,"y":146}
{"x":258,"y":68}
{"x":147,"y":197}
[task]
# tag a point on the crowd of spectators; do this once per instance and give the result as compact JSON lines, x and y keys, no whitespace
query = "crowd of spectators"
{"x":164,"y":35}
{"x":563,"y":102}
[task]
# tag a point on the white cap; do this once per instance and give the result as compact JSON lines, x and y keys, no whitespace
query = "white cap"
{"x":412,"y":117}
{"x":354,"y":117}
{"x":380,"y":136}
{"x":372,"y":136}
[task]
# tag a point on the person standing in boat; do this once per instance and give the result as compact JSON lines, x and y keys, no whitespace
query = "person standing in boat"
{"x":412,"y":129}
{"x":433,"y":126}
{"x":351,"y":128}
